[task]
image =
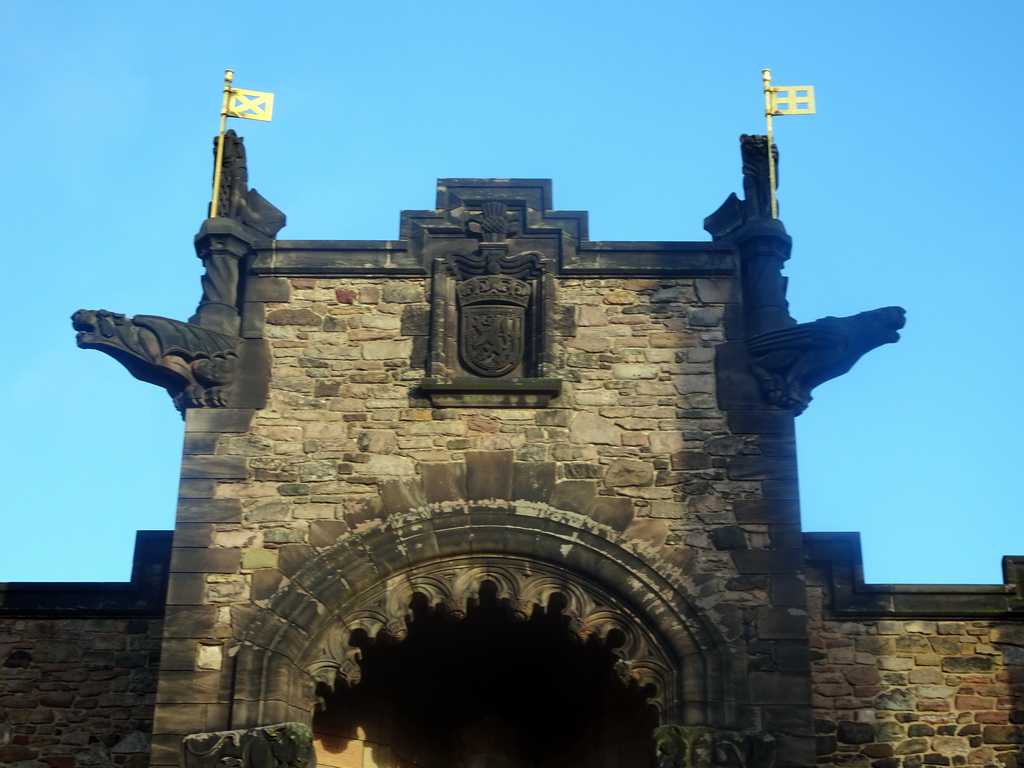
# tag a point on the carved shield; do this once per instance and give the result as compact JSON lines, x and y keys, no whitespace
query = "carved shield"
{"x":491,"y":338}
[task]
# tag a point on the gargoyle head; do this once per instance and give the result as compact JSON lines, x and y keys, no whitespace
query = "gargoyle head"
{"x":96,"y":327}
{"x":865,"y":331}
{"x":115,"y":334}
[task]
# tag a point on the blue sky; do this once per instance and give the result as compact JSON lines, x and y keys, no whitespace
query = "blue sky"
{"x":903,"y":189}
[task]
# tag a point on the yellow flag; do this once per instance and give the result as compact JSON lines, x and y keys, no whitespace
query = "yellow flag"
{"x":792,"y":100}
{"x":252,"y":105}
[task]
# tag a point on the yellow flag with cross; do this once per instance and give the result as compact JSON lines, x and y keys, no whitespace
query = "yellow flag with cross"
{"x":791,"y":100}
{"x":251,"y":105}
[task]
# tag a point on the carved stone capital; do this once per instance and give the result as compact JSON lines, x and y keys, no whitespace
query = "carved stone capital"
{"x":287,"y":745}
{"x":224,"y":237}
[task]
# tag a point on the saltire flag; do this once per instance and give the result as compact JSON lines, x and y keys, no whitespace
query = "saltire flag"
{"x":252,"y":105}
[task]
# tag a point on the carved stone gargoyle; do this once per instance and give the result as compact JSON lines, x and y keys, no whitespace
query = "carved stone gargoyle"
{"x":790,"y":363}
{"x":192,"y":363}
{"x":197,"y":361}
{"x":697,"y":746}
{"x":787,"y":359}
{"x":288,"y":745}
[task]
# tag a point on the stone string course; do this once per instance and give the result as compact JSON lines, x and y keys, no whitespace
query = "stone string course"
{"x":911,"y":693}
{"x":77,"y":692}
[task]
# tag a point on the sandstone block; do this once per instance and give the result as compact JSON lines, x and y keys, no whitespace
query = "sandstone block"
{"x":622,"y":472}
{"x":592,"y":316}
{"x":587,"y":429}
{"x":635,"y":370}
{"x":396,"y":292}
{"x":387,"y":350}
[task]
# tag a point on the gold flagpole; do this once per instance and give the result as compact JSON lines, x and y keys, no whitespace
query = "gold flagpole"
{"x":769,"y":108}
{"x":229,"y":75}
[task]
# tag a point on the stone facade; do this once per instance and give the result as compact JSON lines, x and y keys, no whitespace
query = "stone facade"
{"x":495,"y":494}
{"x":916,"y":675}
{"x":79,"y":665}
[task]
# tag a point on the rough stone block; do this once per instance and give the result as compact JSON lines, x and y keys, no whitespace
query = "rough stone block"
{"x":259,"y":558}
{"x":488,"y":475}
{"x":750,"y":561}
{"x":218,"y":419}
{"x":532,"y":480}
{"x":588,"y":429}
{"x":204,"y":560}
{"x":443,"y":482}
{"x":214,"y":467}
{"x":616,"y":513}
{"x":209,"y":511}
{"x":629,"y":472}
{"x":574,"y":495}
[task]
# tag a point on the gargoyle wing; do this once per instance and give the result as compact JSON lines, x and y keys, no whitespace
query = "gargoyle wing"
{"x":190,"y":341}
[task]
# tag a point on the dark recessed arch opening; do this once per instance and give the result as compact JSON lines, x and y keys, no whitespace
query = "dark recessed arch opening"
{"x":485,"y":690}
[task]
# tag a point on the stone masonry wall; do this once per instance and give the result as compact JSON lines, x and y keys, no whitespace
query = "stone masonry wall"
{"x":638,"y":415}
{"x":908,"y":693}
{"x":639,"y":383}
{"x":77,"y":692}
{"x":637,"y":419}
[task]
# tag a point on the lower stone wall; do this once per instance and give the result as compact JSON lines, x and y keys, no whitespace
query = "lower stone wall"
{"x":914,"y":693}
{"x":77,"y":691}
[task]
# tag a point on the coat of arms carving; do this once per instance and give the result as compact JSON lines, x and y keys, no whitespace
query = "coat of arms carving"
{"x":492,"y":299}
{"x":493,"y":308}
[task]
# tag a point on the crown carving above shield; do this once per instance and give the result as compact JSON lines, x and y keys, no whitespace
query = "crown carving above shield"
{"x":494,"y":289}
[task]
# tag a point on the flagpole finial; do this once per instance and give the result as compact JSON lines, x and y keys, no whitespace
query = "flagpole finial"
{"x":229,"y":75}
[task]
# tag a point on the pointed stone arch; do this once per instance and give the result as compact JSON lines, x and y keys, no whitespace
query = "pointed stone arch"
{"x":608,"y":585}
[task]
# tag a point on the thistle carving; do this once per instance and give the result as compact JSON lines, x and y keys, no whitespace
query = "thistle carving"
{"x":495,"y":223}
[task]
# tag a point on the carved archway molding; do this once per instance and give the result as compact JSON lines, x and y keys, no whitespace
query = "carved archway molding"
{"x":610,"y":587}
